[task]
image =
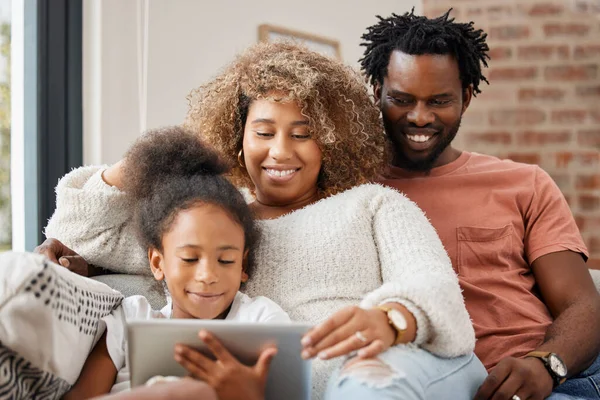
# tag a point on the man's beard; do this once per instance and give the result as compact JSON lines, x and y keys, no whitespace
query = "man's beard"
{"x":426,"y":164}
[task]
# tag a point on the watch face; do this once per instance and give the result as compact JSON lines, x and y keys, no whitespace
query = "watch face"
{"x":557,"y":365}
{"x":397,"y":319}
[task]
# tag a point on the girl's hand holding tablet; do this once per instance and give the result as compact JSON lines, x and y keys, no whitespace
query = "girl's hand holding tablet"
{"x":225,"y":374}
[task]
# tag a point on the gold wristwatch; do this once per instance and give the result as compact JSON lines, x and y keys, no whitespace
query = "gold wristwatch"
{"x":396,"y":320}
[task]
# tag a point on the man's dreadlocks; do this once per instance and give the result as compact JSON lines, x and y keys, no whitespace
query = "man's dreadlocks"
{"x":417,"y":35}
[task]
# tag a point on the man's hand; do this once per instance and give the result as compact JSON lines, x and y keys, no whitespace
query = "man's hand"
{"x":525,"y":377}
{"x":231,"y":379}
{"x":62,"y":255}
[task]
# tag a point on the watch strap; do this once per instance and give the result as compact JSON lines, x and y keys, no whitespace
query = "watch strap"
{"x":544,"y":356}
{"x":538,"y":354}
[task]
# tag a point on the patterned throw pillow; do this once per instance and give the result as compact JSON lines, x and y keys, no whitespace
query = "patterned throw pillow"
{"x":49,"y":322}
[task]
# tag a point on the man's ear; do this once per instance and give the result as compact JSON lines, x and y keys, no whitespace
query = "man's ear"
{"x":467,"y":96}
{"x":377,"y":93}
{"x":156,"y":263}
{"x":245,"y":267}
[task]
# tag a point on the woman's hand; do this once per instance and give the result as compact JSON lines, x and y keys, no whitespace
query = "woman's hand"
{"x":62,"y":255}
{"x":348,"y":330}
{"x":113,"y":175}
{"x":226,"y":375}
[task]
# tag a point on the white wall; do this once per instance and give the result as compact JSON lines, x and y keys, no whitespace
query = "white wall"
{"x":188,"y":41}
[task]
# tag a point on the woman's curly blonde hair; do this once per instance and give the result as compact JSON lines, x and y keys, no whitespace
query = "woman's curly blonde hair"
{"x":342,"y":118}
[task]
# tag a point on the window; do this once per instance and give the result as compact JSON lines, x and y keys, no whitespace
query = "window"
{"x":5,"y":121}
{"x":45,"y":132}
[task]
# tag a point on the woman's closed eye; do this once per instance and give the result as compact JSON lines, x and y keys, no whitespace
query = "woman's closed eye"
{"x":223,"y":261}
{"x":301,"y":136}
{"x":265,"y":134}
{"x":189,"y":260}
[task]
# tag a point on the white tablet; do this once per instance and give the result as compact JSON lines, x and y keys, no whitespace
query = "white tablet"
{"x":151,"y":346}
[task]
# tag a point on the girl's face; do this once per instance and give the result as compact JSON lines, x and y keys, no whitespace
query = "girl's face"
{"x":280,"y":156}
{"x":203,"y":262}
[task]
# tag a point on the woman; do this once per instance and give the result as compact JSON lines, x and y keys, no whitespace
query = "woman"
{"x":358,"y":260}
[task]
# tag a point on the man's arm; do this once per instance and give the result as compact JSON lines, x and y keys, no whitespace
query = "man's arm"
{"x":569,"y":292}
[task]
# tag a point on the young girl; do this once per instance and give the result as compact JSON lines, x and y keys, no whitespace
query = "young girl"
{"x":200,"y":237}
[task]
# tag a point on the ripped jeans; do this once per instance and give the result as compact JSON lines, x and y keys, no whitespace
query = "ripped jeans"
{"x":408,"y":373}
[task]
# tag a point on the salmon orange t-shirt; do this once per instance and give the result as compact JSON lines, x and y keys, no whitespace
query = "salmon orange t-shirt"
{"x":495,"y":217}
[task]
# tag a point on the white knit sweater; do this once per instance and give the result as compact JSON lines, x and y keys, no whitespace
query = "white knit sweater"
{"x":366,"y":246}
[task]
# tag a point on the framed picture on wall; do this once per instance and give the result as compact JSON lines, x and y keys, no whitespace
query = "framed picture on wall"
{"x":324,"y":45}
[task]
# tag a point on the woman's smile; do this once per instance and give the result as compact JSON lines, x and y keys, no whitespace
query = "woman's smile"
{"x":280,"y":173}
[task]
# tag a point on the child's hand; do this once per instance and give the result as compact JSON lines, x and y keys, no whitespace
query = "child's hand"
{"x":230,"y":378}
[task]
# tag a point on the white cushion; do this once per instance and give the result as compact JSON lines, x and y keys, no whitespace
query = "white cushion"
{"x":596,"y":277}
{"x":137,"y":285}
{"x":49,"y":323}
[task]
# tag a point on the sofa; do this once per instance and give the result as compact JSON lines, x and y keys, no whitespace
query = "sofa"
{"x":155,"y":293}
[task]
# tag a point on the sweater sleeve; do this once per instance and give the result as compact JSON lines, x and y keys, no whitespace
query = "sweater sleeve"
{"x":95,"y":220}
{"x":417,"y":272}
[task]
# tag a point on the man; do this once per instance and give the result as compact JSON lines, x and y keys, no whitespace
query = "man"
{"x":506,"y":226}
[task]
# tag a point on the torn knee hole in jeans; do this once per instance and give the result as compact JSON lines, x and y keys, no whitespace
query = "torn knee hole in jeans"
{"x":371,"y":372}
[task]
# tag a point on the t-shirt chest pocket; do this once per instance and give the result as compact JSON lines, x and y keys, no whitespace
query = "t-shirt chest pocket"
{"x":483,"y":250}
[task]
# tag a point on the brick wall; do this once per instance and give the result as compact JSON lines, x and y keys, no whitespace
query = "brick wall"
{"x":543,"y":102}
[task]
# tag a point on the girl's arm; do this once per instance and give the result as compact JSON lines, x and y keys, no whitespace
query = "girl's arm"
{"x":97,"y":376}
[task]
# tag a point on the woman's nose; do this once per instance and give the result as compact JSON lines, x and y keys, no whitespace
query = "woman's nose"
{"x":281,"y":149}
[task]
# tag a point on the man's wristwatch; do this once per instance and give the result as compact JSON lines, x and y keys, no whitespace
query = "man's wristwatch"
{"x":396,"y":320}
{"x":553,"y":363}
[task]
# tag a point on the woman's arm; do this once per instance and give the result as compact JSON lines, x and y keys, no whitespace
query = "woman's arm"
{"x":97,"y":376}
{"x":112,"y":175}
{"x":94,"y":219}
{"x":418,"y":281}
{"x":417,"y":273}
